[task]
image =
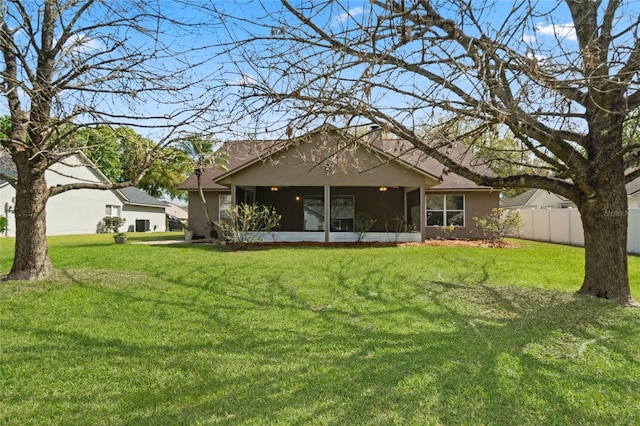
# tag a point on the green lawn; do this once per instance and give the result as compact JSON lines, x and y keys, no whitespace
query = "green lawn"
{"x":193,"y":334}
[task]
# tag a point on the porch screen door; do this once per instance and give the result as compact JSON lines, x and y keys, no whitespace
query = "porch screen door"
{"x":313,"y":213}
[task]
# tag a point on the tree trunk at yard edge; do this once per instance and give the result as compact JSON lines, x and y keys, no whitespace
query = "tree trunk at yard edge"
{"x":210,"y":227}
{"x":31,"y":259}
{"x":605,"y":243}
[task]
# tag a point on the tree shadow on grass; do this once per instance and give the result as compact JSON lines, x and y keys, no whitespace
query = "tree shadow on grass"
{"x":346,"y":344}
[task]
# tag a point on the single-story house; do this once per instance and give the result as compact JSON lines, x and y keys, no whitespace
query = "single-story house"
{"x":633,"y":194}
{"x":173,"y":209}
{"x":323,"y":182}
{"x":537,"y":199}
{"x":81,"y":211}
{"x":543,"y":199}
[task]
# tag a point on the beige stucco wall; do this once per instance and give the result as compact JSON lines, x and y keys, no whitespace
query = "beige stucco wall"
{"x":305,"y":165}
{"x":476,"y":204}
{"x":197,"y":220}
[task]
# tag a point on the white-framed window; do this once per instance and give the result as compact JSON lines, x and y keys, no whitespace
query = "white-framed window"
{"x":224,"y":206}
{"x":445,"y":210}
{"x":112,"y":211}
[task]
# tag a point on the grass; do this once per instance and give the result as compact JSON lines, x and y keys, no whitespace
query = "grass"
{"x":187,"y":334}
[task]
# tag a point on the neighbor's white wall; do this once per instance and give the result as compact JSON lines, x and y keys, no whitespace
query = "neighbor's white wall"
{"x":78,"y":211}
{"x":6,"y":195}
{"x":72,"y":212}
{"x":81,"y":211}
{"x":544,"y":199}
{"x":155,"y":216}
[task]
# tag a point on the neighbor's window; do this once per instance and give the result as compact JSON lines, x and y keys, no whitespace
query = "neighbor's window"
{"x":224,"y":206}
{"x":112,"y":211}
{"x":445,"y":210}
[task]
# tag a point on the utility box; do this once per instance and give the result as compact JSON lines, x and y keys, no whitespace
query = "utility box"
{"x":143,"y":225}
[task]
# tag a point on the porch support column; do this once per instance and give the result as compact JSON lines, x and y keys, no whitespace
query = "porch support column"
{"x":423,"y":213}
{"x":327,"y":213}
{"x":233,"y":195}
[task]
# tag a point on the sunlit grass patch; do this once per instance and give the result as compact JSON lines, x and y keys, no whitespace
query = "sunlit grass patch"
{"x":137,"y":334}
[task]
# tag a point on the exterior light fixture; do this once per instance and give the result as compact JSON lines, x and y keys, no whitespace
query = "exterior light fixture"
{"x":382,"y":189}
{"x":274,"y":188}
{"x":297,"y":198}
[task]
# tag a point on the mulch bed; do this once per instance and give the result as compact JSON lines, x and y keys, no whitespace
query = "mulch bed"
{"x":438,"y":242}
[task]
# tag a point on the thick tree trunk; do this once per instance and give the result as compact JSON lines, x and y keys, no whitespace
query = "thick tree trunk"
{"x":605,"y":242}
{"x":31,"y":259}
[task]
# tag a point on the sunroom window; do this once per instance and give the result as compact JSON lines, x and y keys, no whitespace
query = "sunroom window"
{"x":342,"y":213}
{"x":445,"y":210}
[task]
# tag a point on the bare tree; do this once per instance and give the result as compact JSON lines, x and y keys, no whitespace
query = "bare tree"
{"x":561,"y":77}
{"x":68,"y":64}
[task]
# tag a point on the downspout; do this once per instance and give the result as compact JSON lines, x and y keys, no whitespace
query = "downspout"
{"x":233,"y":195}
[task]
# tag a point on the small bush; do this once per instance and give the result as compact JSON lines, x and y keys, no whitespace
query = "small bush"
{"x":113,"y":223}
{"x":362,"y":225}
{"x":3,"y":224}
{"x":248,"y":222}
{"x":449,"y":231}
{"x":498,"y":224}
{"x":395,"y":226}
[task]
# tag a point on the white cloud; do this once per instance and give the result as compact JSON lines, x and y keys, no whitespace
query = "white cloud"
{"x":529,"y":38}
{"x":537,"y":57}
{"x":561,"y":31}
{"x":244,"y":80}
{"x":349,"y":14}
{"x":80,"y":43}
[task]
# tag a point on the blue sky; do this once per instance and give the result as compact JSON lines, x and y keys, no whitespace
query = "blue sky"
{"x":549,"y":30}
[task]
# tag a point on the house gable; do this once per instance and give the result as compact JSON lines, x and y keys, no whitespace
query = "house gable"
{"x":313,"y":161}
{"x":536,"y":198}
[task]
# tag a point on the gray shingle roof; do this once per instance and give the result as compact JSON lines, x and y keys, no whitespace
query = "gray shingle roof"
{"x":7,"y":166}
{"x":405,"y":152}
{"x":518,"y":200}
{"x":633,"y":186}
{"x":240,"y":153}
{"x":134,"y":195}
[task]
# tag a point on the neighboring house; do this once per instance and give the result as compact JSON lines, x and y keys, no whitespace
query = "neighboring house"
{"x":81,"y":211}
{"x":537,"y":199}
{"x":321,"y":194}
{"x":173,"y":209}
{"x":542,"y":199}
{"x":633,"y":194}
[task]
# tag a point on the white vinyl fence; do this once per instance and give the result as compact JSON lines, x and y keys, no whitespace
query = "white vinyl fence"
{"x":564,"y":226}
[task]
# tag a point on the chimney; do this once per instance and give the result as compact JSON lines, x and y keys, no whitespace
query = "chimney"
{"x":375,"y":135}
